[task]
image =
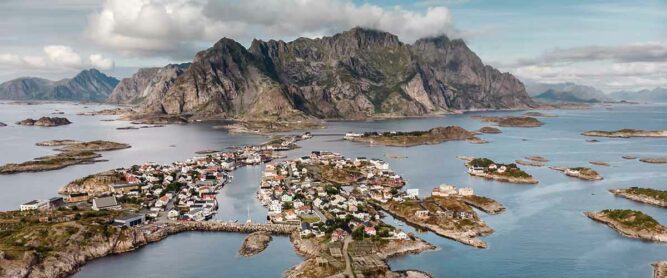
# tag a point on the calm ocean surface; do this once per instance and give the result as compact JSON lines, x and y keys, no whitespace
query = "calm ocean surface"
{"x":543,"y":233}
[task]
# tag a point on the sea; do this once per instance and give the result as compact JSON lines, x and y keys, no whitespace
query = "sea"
{"x":543,"y":232}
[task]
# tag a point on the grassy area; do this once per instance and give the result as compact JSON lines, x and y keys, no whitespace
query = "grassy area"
{"x":648,"y":192}
{"x":632,"y":218}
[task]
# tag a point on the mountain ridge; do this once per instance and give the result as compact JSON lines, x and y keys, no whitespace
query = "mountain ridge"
{"x":87,"y":85}
{"x":356,"y":74}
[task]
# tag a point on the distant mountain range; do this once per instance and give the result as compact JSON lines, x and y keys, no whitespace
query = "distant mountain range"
{"x":655,"y":95}
{"x":88,"y":85}
{"x":566,"y":92}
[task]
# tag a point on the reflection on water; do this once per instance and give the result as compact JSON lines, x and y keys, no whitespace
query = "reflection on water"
{"x":542,"y":234}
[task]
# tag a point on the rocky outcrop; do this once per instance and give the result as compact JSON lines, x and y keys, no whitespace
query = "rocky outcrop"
{"x":147,"y":86}
{"x":255,"y":243}
{"x":2,"y":124}
{"x":353,"y":75}
{"x":654,"y":160}
{"x":489,"y":130}
{"x":88,"y":85}
{"x":583,"y":173}
{"x":45,"y":122}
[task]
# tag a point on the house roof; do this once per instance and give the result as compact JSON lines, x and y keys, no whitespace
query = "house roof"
{"x":104,"y":202}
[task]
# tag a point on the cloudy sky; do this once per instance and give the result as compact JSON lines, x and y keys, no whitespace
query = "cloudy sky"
{"x":613,"y":45}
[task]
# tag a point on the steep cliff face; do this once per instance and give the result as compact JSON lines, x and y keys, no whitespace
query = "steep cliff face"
{"x":355,"y":74}
{"x":147,"y":86}
{"x":88,"y":85}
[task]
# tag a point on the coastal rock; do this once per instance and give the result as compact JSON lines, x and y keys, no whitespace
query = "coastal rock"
{"x":2,"y":124}
{"x":599,"y":163}
{"x":659,"y":269}
{"x":45,"y":122}
{"x":539,"y":114}
{"x":629,"y":157}
{"x":356,"y":74}
{"x":255,"y":243}
{"x":529,"y":163}
{"x":94,"y":185}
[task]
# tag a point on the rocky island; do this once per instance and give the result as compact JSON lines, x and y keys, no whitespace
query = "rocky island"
{"x":583,"y":173}
{"x":71,"y":153}
{"x":486,"y":168}
{"x":255,"y":243}
{"x":599,"y":163}
{"x":511,"y":121}
{"x":45,"y":122}
{"x":627,"y":133}
{"x":631,"y":223}
{"x":414,"y":138}
{"x":654,"y":160}
{"x":489,"y":130}
{"x":643,"y":195}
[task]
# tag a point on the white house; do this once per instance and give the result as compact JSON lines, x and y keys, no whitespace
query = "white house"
{"x":413,"y":192}
{"x":35,"y":205}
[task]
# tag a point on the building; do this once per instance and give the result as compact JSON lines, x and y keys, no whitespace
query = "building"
{"x":122,"y":188}
{"x":78,"y":197}
{"x":109,"y":202}
{"x":35,"y":205}
{"x":422,"y":213}
{"x":56,"y":202}
{"x":351,"y":135}
{"x":130,"y":220}
{"x":444,"y":190}
{"x":413,"y":192}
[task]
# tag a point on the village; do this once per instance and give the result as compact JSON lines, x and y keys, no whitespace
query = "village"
{"x":184,"y":190}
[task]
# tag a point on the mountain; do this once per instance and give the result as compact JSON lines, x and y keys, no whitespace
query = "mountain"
{"x":356,"y":74}
{"x":658,"y":94}
{"x":565,"y":92}
{"x":147,"y":86}
{"x":88,"y":85}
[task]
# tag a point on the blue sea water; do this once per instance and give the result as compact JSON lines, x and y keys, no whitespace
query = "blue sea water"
{"x":543,"y":233}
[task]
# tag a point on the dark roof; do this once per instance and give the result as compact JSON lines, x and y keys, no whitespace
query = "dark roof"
{"x":31,"y":203}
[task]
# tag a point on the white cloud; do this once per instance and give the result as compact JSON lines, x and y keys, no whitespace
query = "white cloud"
{"x":175,"y":27}
{"x":99,"y":62}
{"x":631,"y":66}
{"x":55,"y":57}
{"x":62,"y":55}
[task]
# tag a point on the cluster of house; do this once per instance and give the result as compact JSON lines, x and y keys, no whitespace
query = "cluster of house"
{"x":476,"y":169}
{"x":297,"y":192}
{"x":183,"y":190}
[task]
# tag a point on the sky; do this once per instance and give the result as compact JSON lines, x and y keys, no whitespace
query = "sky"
{"x":611,"y":45}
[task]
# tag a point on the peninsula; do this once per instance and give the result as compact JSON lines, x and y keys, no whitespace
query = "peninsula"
{"x":71,"y":153}
{"x":626,"y":133}
{"x":643,"y":195}
{"x":414,"y":138}
{"x":45,"y":122}
{"x":512,"y":121}
{"x":511,"y":173}
{"x":631,"y":223}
